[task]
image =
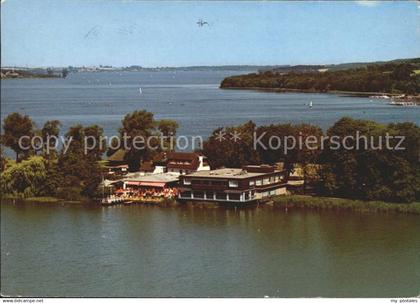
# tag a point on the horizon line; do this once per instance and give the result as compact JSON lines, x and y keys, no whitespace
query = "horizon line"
{"x":207,"y":66}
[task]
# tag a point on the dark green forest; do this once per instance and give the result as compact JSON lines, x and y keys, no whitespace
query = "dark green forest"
{"x":400,"y":77}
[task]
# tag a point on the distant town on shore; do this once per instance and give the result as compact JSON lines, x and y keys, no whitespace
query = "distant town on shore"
{"x":285,"y":68}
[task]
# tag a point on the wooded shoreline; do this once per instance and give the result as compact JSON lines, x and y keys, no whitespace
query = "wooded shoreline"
{"x":77,"y":174}
{"x":388,"y":78}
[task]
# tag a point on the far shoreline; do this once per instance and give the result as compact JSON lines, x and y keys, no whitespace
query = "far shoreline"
{"x":309,"y":91}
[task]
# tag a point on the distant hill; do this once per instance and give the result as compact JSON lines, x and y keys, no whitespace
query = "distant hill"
{"x":334,"y":67}
{"x":396,"y":76}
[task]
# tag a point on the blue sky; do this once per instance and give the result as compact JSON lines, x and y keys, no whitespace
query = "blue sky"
{"x":120,"y":33}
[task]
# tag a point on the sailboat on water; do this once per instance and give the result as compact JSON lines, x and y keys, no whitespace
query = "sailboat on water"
{"x":140,"y":91}
{"x":310,"y":104}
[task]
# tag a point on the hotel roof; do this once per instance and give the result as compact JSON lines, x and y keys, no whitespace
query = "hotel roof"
{"x":163,"y":177}
{"x":226,"y":173}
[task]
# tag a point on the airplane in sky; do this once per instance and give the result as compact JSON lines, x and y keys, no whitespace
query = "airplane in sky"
{"x":201,"y":23}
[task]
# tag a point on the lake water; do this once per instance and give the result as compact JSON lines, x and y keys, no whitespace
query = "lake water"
{"x":191,"y":98}
{"x":49,"y":250}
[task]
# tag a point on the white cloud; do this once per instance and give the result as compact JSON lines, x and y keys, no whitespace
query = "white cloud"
{"x":367,"y":3}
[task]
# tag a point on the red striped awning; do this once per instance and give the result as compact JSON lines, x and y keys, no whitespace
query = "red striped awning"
{"x":143,"y":183}
{"x":155,"y":184}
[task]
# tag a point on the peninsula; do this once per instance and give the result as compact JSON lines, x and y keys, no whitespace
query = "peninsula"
{"x":12,"y":73}
{"x":393,"y":77}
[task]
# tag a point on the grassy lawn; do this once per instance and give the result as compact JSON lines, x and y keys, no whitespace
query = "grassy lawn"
{"x":310,"y":202}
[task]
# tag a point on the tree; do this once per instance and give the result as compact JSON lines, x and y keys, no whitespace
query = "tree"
{"x":50,"y":71}
{"x":3,"y":160}
{"x":341,"y":165}
{"x":280,"y":133}
{"x":25,"y":178}
{"x":15,"y":127}
{"x":370,"y":172}
{"x":94,"y":140}
{"x":64,"y":73}
{"x":50,"y":128}
{"x":402,"y":72}
{"x":135,"y":125}
{"x":113,"y":147}
{"x":168,"y":129}
{"x":49,"y":132}
{"x":308,"y":154}
{"x":224,"y":150}
{"x":80,"y":169}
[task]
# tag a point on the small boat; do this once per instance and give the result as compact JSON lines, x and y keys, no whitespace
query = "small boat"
{"x":310,"y":104}
{"x":379,"y":97}
{"x":106,"y":202}
{"x":402,"y":103}
{"x":111,"y":200}
{"x":140,"y":91}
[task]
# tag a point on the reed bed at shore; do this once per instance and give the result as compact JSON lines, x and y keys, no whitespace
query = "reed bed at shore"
{"x":329,"y":203}
{"x":278,"y":202}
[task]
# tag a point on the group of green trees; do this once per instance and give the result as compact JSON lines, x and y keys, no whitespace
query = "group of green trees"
{"x":75,"y":173}
{"x":71,"y":173}
{"x":367,"y":172}
{"x":142,"y":124}
{"x":385,"y":78}
{"x":41,"y":170}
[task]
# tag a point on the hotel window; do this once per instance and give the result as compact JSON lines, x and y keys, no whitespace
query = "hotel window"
{"x":258,"y":182}
{"x":233,"y":183}
{"x":199,"y":194}
{"x":186,"y":194}
{"x":266,"y":181}
{"x":220,"y":196}
{"x":235,"y":197}
{"x":209,"y":195}
{"x":251,"y":183}
{"x":187,"y":181}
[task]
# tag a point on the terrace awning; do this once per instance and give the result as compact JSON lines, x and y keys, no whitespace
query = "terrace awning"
{"x":155,"y":184}
{"x":144,"y":183}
